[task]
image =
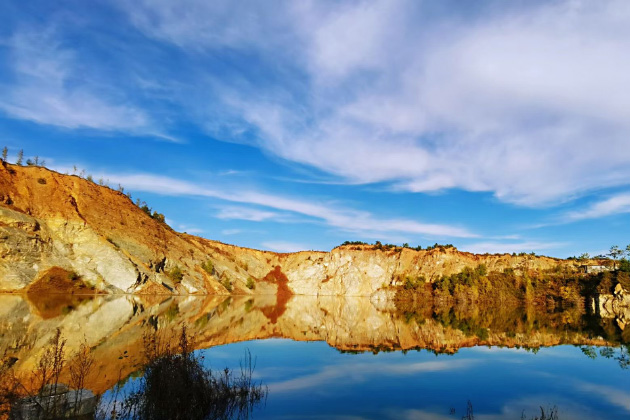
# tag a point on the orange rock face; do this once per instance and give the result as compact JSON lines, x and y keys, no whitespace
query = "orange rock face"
{"x":50,"y":220}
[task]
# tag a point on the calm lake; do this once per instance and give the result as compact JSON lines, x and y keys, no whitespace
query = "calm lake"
{"x":349,"y":358}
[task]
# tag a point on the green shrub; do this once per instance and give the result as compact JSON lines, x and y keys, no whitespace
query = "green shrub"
{"x":146,"y":209}
{"x":227,"y":284}
{"x":248,"y":305}
{"x":414,"y":283}
{"x":353,"y":243}
{"x":481,"y":270}
{"x":171,"y":312}
{"x":483,"y":334}
{"x":158,"y":216}
{"x":176,"y":274}
{"x":208,"y":267}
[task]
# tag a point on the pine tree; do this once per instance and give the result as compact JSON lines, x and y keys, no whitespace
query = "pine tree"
{"x":615,"y":253}
{"x":5,"y":153}
{"x":20,"y":157}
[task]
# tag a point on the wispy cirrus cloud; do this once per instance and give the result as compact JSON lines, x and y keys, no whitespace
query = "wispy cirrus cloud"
{"x":283,"y":246}
{"x":510,"y":103}
{"x":331,"y":214}
{"x":51,"y":87}
{"x":610,"y":394}
{"x":361,"y":372}
{"x":505,"y":247}
{"x":244,"y":213}
{"x":616,"y":204}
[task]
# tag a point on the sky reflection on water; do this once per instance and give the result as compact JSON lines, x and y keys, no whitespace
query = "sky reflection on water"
{"x":308,"y":377}
{"x":310,"y":380}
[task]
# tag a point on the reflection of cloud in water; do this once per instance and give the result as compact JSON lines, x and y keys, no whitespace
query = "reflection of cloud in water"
{"x":513,"y":409}
{"x":514,"y":352}
{"x":417,"y":415}
{"x":567,"y":408}
{"x":323,"y":417}
{"x":613,"y":395}
{"x":360,"y":372}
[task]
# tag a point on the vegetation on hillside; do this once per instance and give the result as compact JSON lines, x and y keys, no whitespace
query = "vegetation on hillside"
{"x":208,"y":267}
{"x":175,"y":274}
{"x":557,"y":288}
{"x":36,"y":161}
{"x":554,"y":288}
{"x":381,"y":246}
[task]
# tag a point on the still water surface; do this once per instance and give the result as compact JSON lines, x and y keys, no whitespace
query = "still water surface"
{"x":312,"y":381}
{"x":350,"y":358}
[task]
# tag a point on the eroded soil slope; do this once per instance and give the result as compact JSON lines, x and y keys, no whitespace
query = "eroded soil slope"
{"x":54,"y":221}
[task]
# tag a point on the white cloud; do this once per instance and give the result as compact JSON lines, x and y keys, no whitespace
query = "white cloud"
{"x":352,"y":36}
{"x":362,"y":372}
{"x":243,"y":213}
{"x":200,"y":24}
{"x":345,"y":219}
{"x":612,"y":395}
{"x":530,"y":106}
{"x":502,"y":248}
{"x":613,"y":205}
{"x":282,"y":246}
{"x":186,"y":228}
{"x":51,"y":87}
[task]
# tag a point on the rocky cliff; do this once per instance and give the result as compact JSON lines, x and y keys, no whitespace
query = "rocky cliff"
{"x":50,"y":221}
{"x":615,"y":306}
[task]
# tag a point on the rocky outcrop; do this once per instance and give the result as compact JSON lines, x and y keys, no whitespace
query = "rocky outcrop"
{"x":56,"y":401}
{"x":52,"y":220}
{"x":616,"y":306}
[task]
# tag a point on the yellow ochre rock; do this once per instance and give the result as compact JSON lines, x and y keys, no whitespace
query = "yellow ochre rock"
{"x":50,"y":220}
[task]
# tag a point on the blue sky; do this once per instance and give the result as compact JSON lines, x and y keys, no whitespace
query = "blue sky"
{"x":491,"y":125}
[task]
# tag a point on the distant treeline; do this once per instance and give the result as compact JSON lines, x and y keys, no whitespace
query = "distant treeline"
{"x":620,"y":257}
{"x":557,"y":288}
{"x":387,"y":247}
{"x":382,"y":246}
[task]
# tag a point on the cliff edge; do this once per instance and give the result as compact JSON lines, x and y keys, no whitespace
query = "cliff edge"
{"x":106,"y":244}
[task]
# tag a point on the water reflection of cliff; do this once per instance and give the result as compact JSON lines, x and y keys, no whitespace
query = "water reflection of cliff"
{"x":113,"y":326}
